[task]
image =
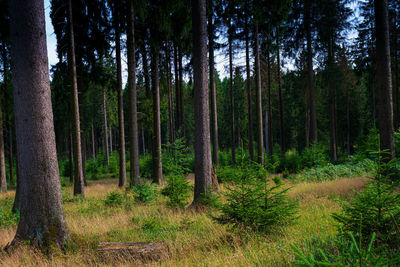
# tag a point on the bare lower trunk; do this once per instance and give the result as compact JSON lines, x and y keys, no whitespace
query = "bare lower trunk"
{"x":177,"y":91}
{"x":269,"y":141}
{"x":281,"y":120}
{"x":42,"y":219}
{"x":105,"y":127}
{"x":111,"y":140}
{"x":171,"y":119}
{"x":332,"y":106}
{"x":157,"y":164}
{"x":231,"y":102}
{"x":3,"y":175}
{"x":248,"y":88}
{"x":182,"y":107}
{"x":260,"y":148}
{"x":79,"y":183}
{"x":133,"y":127}
{"x":348,"y":124}
{"x":10,"y":153}
{"x":93,"y":144}
{"x":203,"y":181}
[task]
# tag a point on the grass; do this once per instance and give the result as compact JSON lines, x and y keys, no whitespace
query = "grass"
{"x":195,"y":239}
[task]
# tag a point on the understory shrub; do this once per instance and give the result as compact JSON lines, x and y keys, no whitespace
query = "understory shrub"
{"x":7,"y":218}
{"x":252,"y":202}
{"x":177,"y":190}
{"x":114,"y":199}
{"x":145,"y":192}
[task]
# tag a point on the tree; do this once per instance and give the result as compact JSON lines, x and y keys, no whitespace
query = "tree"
{"x":133,"y":127}
{"x":384,"y":78}
{"x":260,"y":140}
{"x":3,"y":176}
{"x":41,"y":216}
{"x":203,"y":183}
{"x":78,"y":179}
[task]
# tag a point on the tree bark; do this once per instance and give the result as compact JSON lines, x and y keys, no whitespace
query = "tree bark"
{"x":157,"y":164}
{"x":105,"y":126}
{"x":41,"y":216}
{"x":171,"y":119}
{"x":248,"y":88}
{"x":213,"y":93}
{"x":93,"y":144}
{"x":384,"y":79}
{"x":3,"y":175}
{"x":233,"y":146}
{"x":71,"y":153}
{"x":260,"y":147}
{"x":281,"y":120}
{"x":121,"y":122}
{"x":182,"y":107}
{"x":332,"y":106}
{"x":132,"y":103}
{"x":78,"y":183}
{"x":269,"y":141}
{"x":177,"y":89}
{"x":313,"y":133}
{"x":10,"y":153}
{"x":203,"y":181}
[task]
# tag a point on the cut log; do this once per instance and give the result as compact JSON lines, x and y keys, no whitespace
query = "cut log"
{"x":133,"y":251}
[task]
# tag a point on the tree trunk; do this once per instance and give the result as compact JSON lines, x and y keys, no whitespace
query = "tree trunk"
{"x":332,"y":107}
{"x":41,"y":216}
{"x":182,"y":107}
{"x":157,"y":164}
{"x":384,"y":79}
{"x":281,"y":120}
{"x":233,"y":147}
{"x":177,"y":89}
{"x":3,"y":175}
{"x":270,"y":143}
{"x":310,"y":76}
{"x":17,"y":198}
{"x":248,"y":88}
{"x":203,"y":181}
{"x":10,"y":153}
{"x":93,"y":144}
{"x":111,"y":140}
{"x":121,"y":122}
{"x":71,"y":153}
{"x":171,"y":119}
{"x":132,"y":103}
{"x":105,"y":127}
{"x":79,"y":183}
{"x":348,"y":124}
{"x":213,"y":93}
{"x":260,"y":147}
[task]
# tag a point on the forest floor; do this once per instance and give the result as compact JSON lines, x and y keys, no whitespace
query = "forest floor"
{"x":194,"y":238}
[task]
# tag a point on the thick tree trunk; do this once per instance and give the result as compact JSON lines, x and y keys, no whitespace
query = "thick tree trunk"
{"x":3,"y":175}
{"x":310,"y":75}
{"x":41,"y":216}
{"x":105,"y":126}
{"x":17,"y":198}
{"x":233,"y":146}
{"x":157,"y":164}
{"x":132,"y":103}
{"x":384,"y":78}
{"x":203,"y":165}
{"x":213,"y":93}
{"x":281,"y":120}
{"x":260,"y":147}
{"x":78,"y":182}
{"x":121,"y":122}
{"x":171,"y":119}
{"x":248,"y":88}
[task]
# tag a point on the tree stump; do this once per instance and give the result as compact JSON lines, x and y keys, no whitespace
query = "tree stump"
{"x":133,"y":251}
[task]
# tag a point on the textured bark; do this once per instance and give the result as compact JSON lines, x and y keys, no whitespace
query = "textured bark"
{"x":145,"y":69}
{"x":182,"y":107}
{"x":248,"y":88}
{"x":10,"y":153}
{"x":78,"y":181}
{"x":171,"y":119}
{"x":105,"y":126}
{"x":269,"y":141}
{"x":157,"y":164}
{"x":260,"y":140}
{"x":281,"y":119}
{"x":203,"y":179}
{"x":332,"y":106}
{"x":3,"y":175}
{"x":41,"y":215}
{"x":384,"y":78}
{"x":71,"y":156}
{"x":132,"y":103}
{"x":17,"y":198}
{"x":121,"y":123}
{"x":177,"y":89}
{"x":310,"y":76}
{"x":233,"y":146}
{"x":213,"y":93}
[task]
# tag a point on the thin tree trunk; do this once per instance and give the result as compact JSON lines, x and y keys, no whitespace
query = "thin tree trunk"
{"x":3,"y":175}
{"x":177,"y":91}
{"x":384,"y":79}
{"x":143,"y":142}
{"x":133,"y":130}
{"x":233,"y":147}
{"x":213,"y":93}
{"x":171,"y":119}
{"x":260,"y":147}
{"x":281,"y":120}
{"x":111,"y":140}
{"x":248,"y":88}
{"x":310,"y":76}
{"x":182,"y":107}
{"x":79,"y":182}
{"x":203,"y":165}
{"x":121,"y":122}
{"x":157,"y":164}
{"x":71,"y":153}
{"x":332,"y":109}
{"x":10,"y":153}
{"x":348,"y":124}
{"x":93,"y":144}
{"x":270,"y":143}
{"x":105,"y":127}
{"x":41,"y":215}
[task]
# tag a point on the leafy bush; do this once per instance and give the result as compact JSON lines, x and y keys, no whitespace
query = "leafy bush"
{"x":349,"y":253}
{"x":177,"y":190}
{"x":228,"y":174}
{"x":290,"y":161}
{"x":376,"y":208}
{"x":145,"y":192}
{"x":253,"y":203}
{"x":7,"y":218}
{"x":114,"y":199}
{"x":314,"y":156}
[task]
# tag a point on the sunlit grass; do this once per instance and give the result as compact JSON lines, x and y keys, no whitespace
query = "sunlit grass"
{"x":195,"y":239}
